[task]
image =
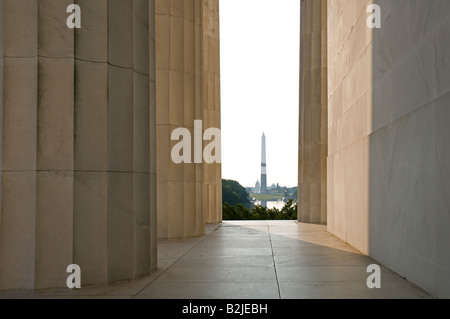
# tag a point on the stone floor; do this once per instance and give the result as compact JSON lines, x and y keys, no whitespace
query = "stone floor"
{"x":253,"y":260}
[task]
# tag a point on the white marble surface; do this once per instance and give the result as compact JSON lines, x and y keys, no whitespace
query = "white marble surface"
{"x":225,"y":264}
{"x":77,"y":109}
{"x":390,"y":194}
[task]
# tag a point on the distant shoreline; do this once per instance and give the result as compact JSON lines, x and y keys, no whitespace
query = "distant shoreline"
{"x":266,"y":197}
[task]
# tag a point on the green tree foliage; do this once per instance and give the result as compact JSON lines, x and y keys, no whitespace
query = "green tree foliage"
{"x":295,"y":194}
{"x":239,"y":212}
{"x":234,"y":193}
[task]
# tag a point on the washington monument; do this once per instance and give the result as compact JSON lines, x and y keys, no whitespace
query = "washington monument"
{"x":263,"y":166}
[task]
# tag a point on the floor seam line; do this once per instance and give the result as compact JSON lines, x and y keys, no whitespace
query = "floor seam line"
{"x":274,"y":264}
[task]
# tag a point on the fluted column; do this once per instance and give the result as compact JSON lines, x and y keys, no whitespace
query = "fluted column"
{"x":152,"y":129}
{"x":313,"y":113}
{"x":91,"y":143}
{"x":20,"y":96}
{"x":55,"y":144}
{"x":211,"y":106}
{"x":78,"y":164}
{"x":187,"y":59}
{"x":176,"y":57}
{"x":1,"y":98}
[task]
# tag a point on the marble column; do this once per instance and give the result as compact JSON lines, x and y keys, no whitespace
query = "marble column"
{"x":55,"y":145}
{"x":91,"y":143}
{"x":212,"y":194}
{"x":78,"y":142}
{"x":187,"y":192}
{"x":176,"y":58}
{"x":313,"y":113}
{"x":19,"y":137}
{"x":152,"y":132}
{"x":1,"y":98}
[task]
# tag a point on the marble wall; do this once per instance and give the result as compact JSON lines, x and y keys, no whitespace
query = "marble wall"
{"x":78,"y":161}
{"x":349,"y":104}
{"x":389,"y":164}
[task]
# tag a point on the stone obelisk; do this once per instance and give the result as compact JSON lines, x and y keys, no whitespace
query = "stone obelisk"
{"x":263,"y":166}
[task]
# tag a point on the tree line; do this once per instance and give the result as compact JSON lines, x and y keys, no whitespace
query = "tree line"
{"x":240,"y":212}
{"x":237,"y":206}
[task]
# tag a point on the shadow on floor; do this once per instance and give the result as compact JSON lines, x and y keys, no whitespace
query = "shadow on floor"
{"x":253,"y":260}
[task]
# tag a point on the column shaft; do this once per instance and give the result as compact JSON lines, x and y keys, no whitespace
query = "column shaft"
{"x":187,"y":64}
{"x":55,"y":145}
{"x":313,"y":112}
{"x":211,"y":105}
{"x":19,"y":136}
{"x":91,"y":146}
{"x":78,"y":151}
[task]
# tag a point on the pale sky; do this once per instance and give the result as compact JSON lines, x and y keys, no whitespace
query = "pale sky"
{"x":260,"y":89}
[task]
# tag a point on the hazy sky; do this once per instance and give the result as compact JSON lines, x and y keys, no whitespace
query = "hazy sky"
{"x":260,"y":85}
